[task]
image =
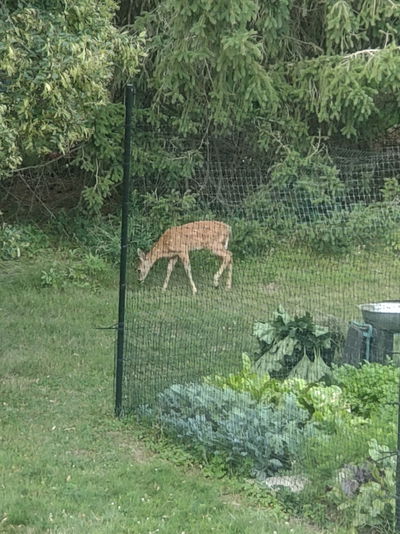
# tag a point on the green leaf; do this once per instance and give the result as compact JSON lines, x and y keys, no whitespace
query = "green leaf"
{"x":268,"y":363}
{"x":310,"y":371}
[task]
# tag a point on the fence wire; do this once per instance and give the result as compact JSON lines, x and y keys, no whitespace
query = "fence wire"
{"x":257,"y":375}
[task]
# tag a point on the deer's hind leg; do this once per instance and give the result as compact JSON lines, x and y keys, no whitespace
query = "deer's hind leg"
{"x":226,"y":263}
{"x":229,"y":277}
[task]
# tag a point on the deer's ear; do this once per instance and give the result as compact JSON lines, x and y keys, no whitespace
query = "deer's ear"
{"x":141,"y":254}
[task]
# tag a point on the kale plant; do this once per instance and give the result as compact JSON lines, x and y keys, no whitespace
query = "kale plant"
{"x":234,"y":426}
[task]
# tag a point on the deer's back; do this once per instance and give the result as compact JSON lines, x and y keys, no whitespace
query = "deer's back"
{"x":195,"y":236}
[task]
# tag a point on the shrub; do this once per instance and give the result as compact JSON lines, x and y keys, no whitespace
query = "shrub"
{"x":394,"y":244}
{"x":328,"y":235}
{"x":231,"y":425}
{"x":369,"y":387}
{"x":152,"y":214}
{"x":16,"y":241}
{"x":346,"y":230}
{"x":391,"y":190}
{"x":306,"y":185}
{"x":272,"y":212}
{"x":99,"y":236}
{"x":83,"y":272}
{"x":101,"y":155}
{"x":172,"y":209}
{"x":12,"y":242}
{"x":250,"y":238}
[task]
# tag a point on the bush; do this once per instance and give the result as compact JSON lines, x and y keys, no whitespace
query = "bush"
{"x":369,"y":387}
{"x":346,"y":230}
{"x":99,"y":236}
{"x":301,"y":189}
{"x":310,"y":180}
{"x":250,"y":238}
{"x":12,"y":242}
{"x":16,"y":241}
{"x":84,"y":272}
{"x":273,"y":213}
{"x":102,"y":155}
{"x":394,"y":245}
{"x":152,"y":214}
{"x":169,"y":210}
{"x":223,"y":423}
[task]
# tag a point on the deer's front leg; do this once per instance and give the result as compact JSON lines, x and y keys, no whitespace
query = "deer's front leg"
{"x":170,"y":268}
{"x":186,"y":264}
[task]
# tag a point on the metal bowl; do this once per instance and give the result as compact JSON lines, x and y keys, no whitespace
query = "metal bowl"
{"x":382,"y":315}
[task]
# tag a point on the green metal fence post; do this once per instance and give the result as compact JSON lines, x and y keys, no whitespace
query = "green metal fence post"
{"x":397,"y":511}
{"x":119,"y":364}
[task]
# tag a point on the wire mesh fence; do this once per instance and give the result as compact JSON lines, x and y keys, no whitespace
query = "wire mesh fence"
{"x":239,"y":334}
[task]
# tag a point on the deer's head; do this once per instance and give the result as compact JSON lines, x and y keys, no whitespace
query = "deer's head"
{"x":144,"y":265}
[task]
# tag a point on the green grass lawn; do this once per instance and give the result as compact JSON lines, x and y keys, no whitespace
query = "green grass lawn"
{"x":173,"y":337}
{"x":66,"y":464}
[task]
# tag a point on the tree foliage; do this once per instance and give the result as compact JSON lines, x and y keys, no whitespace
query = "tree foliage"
{"x":59,"y":62}
{"x":288,"y":67}
{"x":269,"y":76}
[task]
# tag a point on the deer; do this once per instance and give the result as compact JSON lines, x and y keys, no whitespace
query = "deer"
{"x":176,"y":243}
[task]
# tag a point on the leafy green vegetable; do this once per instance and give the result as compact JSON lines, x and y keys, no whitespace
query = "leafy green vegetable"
{"x":293,"y":347}
{"x":229,"y":424}
{"x":260,"y":387}
{"x":369,"y":506}
{"x":369,"y":387}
